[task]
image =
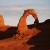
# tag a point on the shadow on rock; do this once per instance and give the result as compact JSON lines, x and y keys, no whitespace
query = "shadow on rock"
{"x":8,"y":33}
{"x":42,"y":39}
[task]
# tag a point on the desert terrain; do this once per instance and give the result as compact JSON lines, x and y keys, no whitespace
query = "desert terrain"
{"x":25,"y":37}
{"x":37,"y":38}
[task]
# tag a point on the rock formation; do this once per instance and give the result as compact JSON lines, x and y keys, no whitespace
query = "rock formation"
{"x":22,"y":25}
{"x":1,"y":20}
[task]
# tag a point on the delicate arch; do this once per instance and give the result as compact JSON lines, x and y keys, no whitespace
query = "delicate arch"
{"x":22,"y":26}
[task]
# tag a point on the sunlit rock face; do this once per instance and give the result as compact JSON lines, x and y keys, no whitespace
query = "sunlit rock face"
{"x":1,"y":21}
{"x":22,"y":25}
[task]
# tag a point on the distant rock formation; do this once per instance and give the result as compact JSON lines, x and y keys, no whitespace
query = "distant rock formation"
{"x":22,"y":25}
{"x":1,"y":20}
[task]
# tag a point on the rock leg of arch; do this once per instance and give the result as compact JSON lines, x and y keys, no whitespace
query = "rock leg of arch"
{"x":22,"y":25}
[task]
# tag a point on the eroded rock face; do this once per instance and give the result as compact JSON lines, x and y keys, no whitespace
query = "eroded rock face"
{"x":22,"y":25}
{"x":1,"y":21}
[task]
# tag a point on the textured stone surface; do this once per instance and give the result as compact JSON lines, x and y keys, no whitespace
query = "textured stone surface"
{"x":22,"y":25}
{"x":1,"y":20}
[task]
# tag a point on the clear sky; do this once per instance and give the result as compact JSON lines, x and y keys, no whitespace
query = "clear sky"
{"x":12,"y":10}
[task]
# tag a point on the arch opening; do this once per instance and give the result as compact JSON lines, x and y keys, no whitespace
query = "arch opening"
{"x":30,"y":20}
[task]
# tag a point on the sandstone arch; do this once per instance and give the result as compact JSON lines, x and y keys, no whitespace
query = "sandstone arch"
{"x":22,"y":25}
{"x":1,"y":21}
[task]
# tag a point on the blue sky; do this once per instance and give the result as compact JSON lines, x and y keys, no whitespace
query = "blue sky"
{"x":12,"y":10}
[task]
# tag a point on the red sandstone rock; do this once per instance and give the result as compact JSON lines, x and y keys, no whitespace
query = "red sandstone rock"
{"x":22,"y":25}
{"x":1,"y":20}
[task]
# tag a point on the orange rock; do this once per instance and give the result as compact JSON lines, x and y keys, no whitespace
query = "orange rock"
{"x":22,"y":25}
{"x":1,"y":20}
